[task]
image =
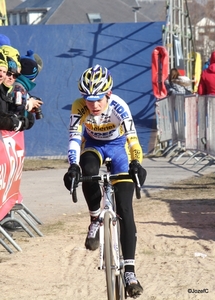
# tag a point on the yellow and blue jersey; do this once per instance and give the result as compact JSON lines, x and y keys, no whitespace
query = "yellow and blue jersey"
{"x":114,"y":125}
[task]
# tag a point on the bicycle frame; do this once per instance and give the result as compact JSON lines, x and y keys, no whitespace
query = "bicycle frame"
{"x":107,"y":206}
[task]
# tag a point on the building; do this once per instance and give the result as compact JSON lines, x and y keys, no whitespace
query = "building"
{"x":3,"y":13}
{"x":34,"y":12}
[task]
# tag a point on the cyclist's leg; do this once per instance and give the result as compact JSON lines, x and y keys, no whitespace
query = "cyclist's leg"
{"x":124,"y":195}
{"x":90,"y":164}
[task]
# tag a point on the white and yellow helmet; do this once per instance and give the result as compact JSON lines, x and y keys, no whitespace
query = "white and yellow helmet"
{"x":95,"y":83}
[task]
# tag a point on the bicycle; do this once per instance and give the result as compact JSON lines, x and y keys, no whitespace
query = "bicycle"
{"x":110,"y":258}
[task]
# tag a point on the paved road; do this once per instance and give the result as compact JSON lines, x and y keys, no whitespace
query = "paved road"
{"x":45,"y":195}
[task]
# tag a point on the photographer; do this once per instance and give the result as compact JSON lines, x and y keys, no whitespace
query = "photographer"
{"x":23,"y":102}
{"x":8,"y":73}
{"x":17,"y":108}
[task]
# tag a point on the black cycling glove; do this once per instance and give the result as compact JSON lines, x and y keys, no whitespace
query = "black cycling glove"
{"x":73,"y":172}
{"x":136,"y":168}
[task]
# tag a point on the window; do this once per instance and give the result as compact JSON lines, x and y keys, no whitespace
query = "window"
{"x":30,"y":16}
{"x":23,"y":19}
{"x":94,"y":18}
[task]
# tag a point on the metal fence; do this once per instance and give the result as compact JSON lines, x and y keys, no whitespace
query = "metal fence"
{"x":186,"y":125}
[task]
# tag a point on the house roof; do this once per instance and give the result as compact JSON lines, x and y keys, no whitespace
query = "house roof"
{"x":111,"y":11}
{"x":205,"y":22}
{"x":11,"y":4}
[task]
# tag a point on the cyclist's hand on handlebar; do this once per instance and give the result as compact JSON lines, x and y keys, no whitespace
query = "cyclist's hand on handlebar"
{"x":73,"y":172}
{"x":136,"y":168}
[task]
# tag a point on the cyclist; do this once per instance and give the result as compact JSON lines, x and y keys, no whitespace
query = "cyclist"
{"x":109,"y":131}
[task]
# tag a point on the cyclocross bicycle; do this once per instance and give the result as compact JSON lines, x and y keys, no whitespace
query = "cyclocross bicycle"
{"x":110,"y":258}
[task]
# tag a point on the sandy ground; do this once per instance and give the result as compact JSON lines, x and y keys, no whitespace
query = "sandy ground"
{"x":174,"y":257}
{"x":175,"y":249}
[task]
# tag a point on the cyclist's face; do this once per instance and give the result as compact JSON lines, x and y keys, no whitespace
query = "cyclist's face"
{"x":96,"y":108}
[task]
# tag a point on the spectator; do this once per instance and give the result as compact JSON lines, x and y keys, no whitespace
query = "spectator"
{"x":8,"y":121}
{"x":177,"y":84}
{"x":207,"y":80}
{"x":25,"y":83}
{"x":16,"y":87}
{"x":11,"y":75}
{"x":7,"y":85}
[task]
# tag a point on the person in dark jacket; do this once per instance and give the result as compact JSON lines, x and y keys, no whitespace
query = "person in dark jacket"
{"x":207,"y":80}
{"x":7,"y":85}
{"x":8,"y":121}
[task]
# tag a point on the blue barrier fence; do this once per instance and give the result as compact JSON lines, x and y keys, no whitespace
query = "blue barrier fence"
{"x":67,"y":50}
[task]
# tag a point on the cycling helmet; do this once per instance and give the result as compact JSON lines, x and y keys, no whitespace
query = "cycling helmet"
{"x":95,"y":82}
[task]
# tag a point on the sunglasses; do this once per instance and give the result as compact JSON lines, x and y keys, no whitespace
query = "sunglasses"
{"x":15,"y":75}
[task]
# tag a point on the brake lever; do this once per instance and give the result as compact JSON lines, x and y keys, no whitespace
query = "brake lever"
{"x":73,"y":191}
{"x":72,"y":185}
{"x":137,"y":187}
{"x":137,"y":180}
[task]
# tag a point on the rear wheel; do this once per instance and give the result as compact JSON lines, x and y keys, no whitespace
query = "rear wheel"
{"x":108,"y":258}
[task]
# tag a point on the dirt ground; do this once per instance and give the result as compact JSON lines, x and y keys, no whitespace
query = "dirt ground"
{"x":174,"y":258}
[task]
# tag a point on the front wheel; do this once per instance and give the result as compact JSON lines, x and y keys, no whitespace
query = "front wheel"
{"x":119,"y":287}
{"x":108,"y":258}
{"x":120,"y":282}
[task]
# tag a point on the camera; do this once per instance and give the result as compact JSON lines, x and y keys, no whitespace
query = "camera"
{"x":38,"y":111}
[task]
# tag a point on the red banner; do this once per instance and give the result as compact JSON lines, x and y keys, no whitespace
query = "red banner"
{"x":12,"y":150}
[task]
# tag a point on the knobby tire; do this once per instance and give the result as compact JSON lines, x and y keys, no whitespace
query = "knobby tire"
{"x":108,"y":258}
{"x":119,"y":288}
{"x":119,"y":284}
